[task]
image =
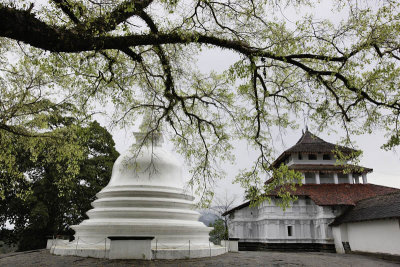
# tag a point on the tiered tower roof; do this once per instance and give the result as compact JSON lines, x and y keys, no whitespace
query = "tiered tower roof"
{"x":337,"y":193}
{"x":310,"y":144}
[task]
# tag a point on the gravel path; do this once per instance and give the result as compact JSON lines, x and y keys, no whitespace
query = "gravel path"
{"x":244,"y":258}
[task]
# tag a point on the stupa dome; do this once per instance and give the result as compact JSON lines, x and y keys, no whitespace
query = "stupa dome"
{"x":147,"y":163}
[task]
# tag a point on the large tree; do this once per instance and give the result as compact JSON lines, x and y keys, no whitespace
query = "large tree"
{"x":52,"y":197}
{"x":140,"y":55}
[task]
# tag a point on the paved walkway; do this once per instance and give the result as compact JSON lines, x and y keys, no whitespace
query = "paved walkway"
{"x":244,"y":258}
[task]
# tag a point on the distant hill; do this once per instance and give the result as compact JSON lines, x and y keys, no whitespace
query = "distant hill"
{"x":207,"y":216}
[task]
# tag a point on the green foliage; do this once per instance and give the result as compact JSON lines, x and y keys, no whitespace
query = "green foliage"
{"x":6,"y":248}
{"x":131,"y":57}
{"x":220,"y":232}
{"x":282,"y":184}
{"x":50,"y":185}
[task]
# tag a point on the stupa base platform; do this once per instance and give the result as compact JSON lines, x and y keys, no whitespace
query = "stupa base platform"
{"x":103,"y":251}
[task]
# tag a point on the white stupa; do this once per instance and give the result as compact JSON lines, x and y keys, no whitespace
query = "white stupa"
{"x":145,"y":197}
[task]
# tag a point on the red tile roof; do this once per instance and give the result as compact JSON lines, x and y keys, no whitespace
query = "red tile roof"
{"x":340,"y":194}
{"x":334,"y":194}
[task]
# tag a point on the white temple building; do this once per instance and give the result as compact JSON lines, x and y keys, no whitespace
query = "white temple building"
{"x":328,"y":191}
{"x":144,"y":200}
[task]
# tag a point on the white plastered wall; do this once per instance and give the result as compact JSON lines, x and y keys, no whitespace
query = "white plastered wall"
{"x":268,"y":223}
{"x":340,"y":235}
{"x":378,"y":236}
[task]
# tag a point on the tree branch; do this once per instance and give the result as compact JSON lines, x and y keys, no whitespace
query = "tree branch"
{"x":121,"y":13}
{"x":67,"y":9}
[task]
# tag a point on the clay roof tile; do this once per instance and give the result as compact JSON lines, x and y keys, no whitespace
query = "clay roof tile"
{"x":374,"y":208}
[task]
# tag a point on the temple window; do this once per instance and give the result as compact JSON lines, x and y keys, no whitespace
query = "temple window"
{"x":300,"y":156}
{"x":326,"y":157}
{"x":356,"y":178}
{"x":290,"y":230}
{"x":312,"y":156}
{"x":310,"y":177}
{"x":343,"y":178}
{"x":326,"y":178}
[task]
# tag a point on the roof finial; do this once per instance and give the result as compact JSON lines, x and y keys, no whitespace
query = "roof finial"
{"x":146,"y":134}
{"x":306,"y":128}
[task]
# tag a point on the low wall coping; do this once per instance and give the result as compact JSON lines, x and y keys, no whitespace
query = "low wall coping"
{"x":130,"y":237}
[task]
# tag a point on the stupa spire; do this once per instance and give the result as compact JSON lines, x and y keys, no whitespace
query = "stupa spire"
{"x":147,"y":134}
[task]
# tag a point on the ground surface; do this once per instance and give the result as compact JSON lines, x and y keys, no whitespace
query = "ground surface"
{"x":243,"y":258}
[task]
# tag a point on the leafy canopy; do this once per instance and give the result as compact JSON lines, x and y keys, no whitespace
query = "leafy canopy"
{"x":138,"y":55}
{"x":41,"y":197}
